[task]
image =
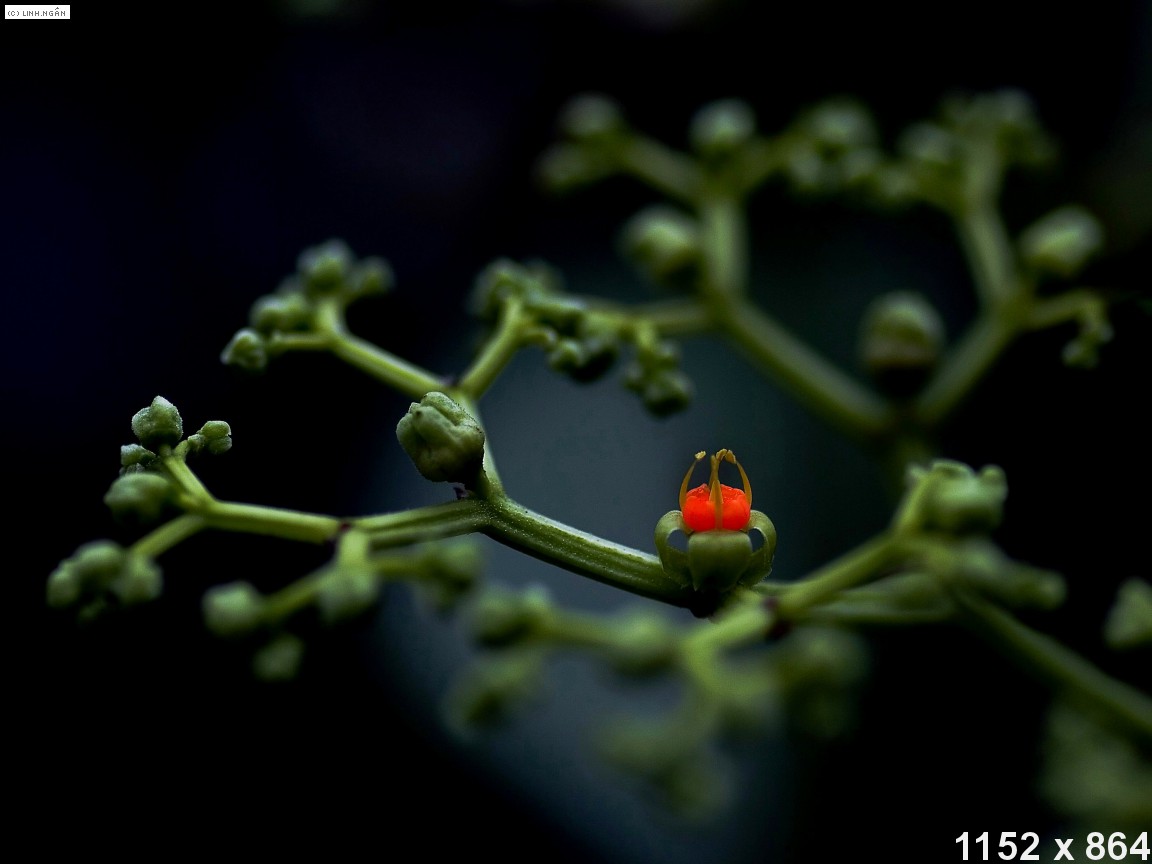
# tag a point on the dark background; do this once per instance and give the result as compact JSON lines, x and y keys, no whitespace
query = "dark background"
{"x":163,"y":169}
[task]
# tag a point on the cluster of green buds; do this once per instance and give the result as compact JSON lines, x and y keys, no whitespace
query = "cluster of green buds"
{"x":717,"y":520}
{"x":581,"y":341}
{"x":346,"y":588}
{"x":664,"y":244}
{"x":328,"y":278}
{"x":142,"y":493}
{"x":595,"y":136}
{"x":1129,"y":622}
{"x":103,"y":574}
{"x":956,"y":509}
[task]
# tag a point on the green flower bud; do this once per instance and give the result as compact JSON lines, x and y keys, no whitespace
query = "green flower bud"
{"x":952,"y":498}
{"x":839,"y":125}
{"x":503,"y":618}
{"x":247,"y":350}
{"x":643,"y":642}
{"x":279,"y":660}
{"x":662,"y":241}
{"x":325,"y":268}
{"x":371,"y":276}
{"x":1130,"y":621}
{"x":565,"y":167}
{"x":139,"y":581}
{"x":930,"y":147}
{"x":346,"y":593}
{"x":450,"y":570}
{"x":133,"y":457}
{"x":1062,"y":242}
{"x":442,"y":439}
{"x":139,"y":496}
{"x":158,"y":424}
{"x":101,"y":568}
{"x":234,"y":609}
{"x":664,"y":392}
{"x":586,"y":359}
{"x":488,"y":692}
{"x":592,"y":118}
{"x":281,"y":313}
{"x":722,"y":127}
{"x":902,"y":336}
{"x":215,"y":436}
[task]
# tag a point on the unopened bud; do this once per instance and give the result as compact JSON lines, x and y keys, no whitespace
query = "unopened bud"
{"x":158,"y":424}
{"x":442,"y":439}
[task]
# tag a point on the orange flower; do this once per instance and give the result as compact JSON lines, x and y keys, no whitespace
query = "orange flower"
{"x":715,"y":506}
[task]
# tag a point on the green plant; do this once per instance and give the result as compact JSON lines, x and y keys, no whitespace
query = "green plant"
{"x":936,"y":562}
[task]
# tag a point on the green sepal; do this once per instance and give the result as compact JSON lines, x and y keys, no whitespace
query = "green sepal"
{"x":717,"y":559}
{"x":673,"y":560}
{"x":760,"y":564}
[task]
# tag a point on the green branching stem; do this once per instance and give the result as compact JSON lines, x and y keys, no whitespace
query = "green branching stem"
{"x":864,"y":563}
{"x":497,"y":351}
{"x":849,"y":405}
{"x":725,"y":245}
{"x":1054,"y":664}
{"x":466,"y":516}
{"x":989,"y":252}
{"x":171,"y":533}
{"x":964,"y":368}
{"x":610,"y":563}
{"x":399,"y":374}
{"x":673,"y":174}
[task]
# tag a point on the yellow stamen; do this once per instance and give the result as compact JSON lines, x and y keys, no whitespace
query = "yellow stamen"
{"x":688,"y":477}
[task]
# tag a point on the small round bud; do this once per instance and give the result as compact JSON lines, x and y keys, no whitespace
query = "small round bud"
{"x":840,"y":125}
{"x":721,"y":128}
{"x":930,"y":146}
{"x":442,"y":439}
{"x":371,"y":276}
{"x":592,"y":118}
{"x":158,"y":424}
{"x":1130,"y":621}
{"x":902,"y":335}
{"x":324,"y":268}
{"x":451,"y":570}
{"x":586,"y":359}
{"x":664,"y":391}
{"x":1062,"y":242}
{"x":217,"y":436}
{"x":662,"y":241}
{"x":347,"y":593}
{"x":139,"y":581}
{"x":282,"y":313}
{"x":247,"y":350}
{"x":565,"y":167}
{"x":280,"y":659}
{"x":138,"y":496}
{"x":503,"y":618}
{"x":235,"y":609}
{"x":643,"y":643}
{"x":65,"y":587}
{"x":133,"y":457}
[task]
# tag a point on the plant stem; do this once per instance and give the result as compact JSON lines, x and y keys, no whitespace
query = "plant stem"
{"x":271,"y":521}
{"x":465,"y":516}
{"x":989,"y":252}
{"x":497,"y":351}
{"x":1056,"y":665}
{"x":724,"y":245}
{"x":865,"y":562}
{"x":965,"y":365}
{"x":665,"y":170}
{"x":611,"y":563}
{"x":398,"y":374}
{"x":814,"y":380}
{"x":164,"y":537}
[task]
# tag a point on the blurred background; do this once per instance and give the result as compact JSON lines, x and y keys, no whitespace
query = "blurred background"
{"x":159,"y":177}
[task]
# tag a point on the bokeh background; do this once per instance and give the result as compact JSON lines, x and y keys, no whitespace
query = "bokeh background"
{"x":160,"y":175}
